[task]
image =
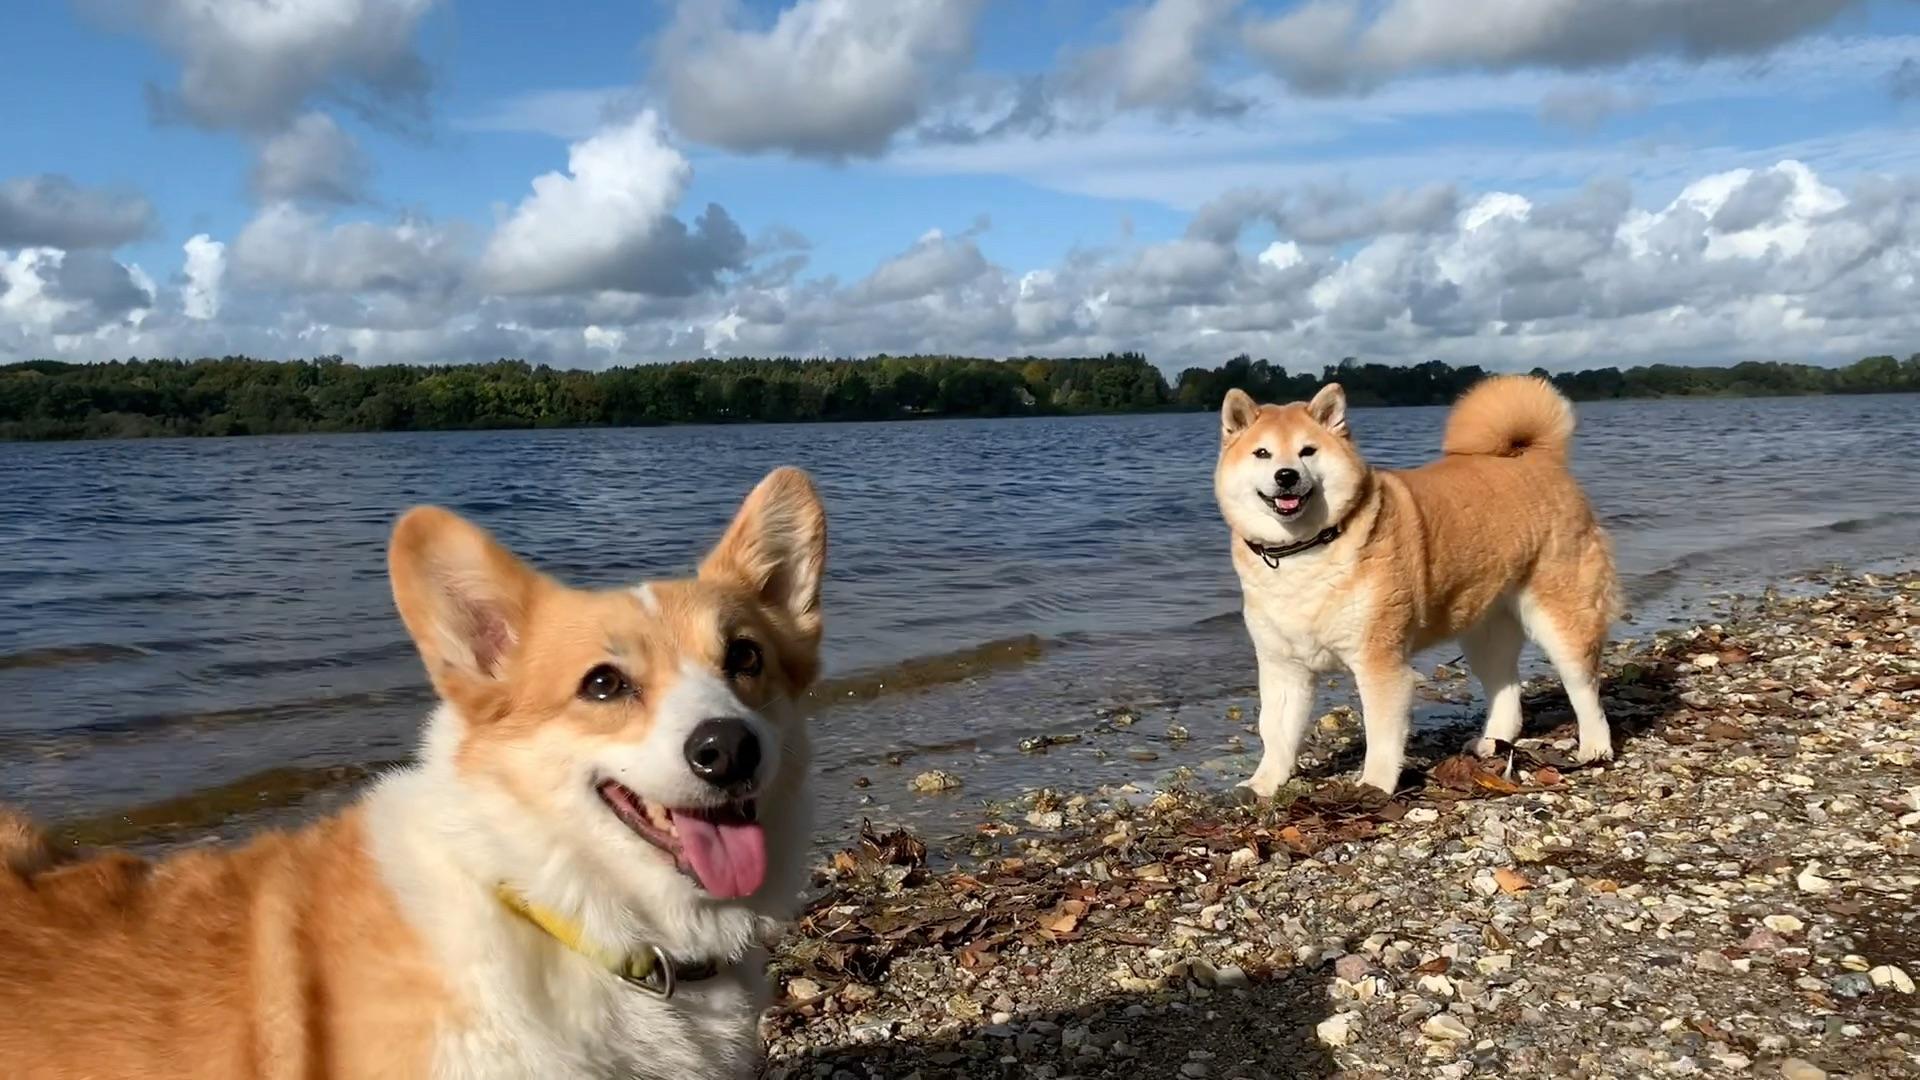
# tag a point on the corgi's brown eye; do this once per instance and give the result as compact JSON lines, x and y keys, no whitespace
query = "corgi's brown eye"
{"x":1309,"y":451}
{"x":1263,"y":453}
{"x":605,"y":683}
{"x":744,"y":659}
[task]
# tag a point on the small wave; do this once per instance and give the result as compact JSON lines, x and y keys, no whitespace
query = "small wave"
{"x":63,"y":655}
{"x":922,"y":672}
{"x":1652,"y":584}
{"x":148,"y":725}
{"x":206,"y":808}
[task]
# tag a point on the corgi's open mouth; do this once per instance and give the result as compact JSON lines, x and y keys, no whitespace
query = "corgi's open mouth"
{"x":1289,"y":504}
{"x":722,"y":847}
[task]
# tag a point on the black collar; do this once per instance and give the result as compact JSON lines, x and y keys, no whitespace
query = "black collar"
{"x":1271,"y":554}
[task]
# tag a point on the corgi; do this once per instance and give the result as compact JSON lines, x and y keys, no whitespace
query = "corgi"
{"x":1345,"y":565}
{"x":607,"y":820}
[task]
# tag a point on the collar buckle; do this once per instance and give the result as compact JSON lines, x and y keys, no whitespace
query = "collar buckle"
{"x":651,"y":971}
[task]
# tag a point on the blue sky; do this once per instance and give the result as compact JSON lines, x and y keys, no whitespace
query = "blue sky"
{"x":1557,"y":182}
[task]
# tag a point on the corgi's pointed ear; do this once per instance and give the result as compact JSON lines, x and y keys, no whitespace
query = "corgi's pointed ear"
{"x":776,"y":549}
{"x":465,"y":599}
{"x":1236,"y":413}
{"x":1329,"y":408}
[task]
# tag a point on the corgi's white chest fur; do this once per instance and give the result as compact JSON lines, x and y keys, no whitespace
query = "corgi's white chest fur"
{"x":527,"y":1006}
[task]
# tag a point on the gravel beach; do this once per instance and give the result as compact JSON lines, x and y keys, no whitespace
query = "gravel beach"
{"x":1734,"y":895}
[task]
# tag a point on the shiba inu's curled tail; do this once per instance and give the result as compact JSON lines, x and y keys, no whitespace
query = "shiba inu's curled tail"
{"x":1510,"y":415}
{"x":23,"y":848}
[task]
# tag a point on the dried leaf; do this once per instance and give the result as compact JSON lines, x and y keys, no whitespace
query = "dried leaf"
{"x":1511,"y":881}
{"x":1546,"y":776}
{"x":1456,"y":772}
{"x":1494,"y":782}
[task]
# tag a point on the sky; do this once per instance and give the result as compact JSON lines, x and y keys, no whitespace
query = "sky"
{"x":1510,"y":183}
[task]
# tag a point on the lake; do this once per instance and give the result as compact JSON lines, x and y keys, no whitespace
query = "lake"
{"x":198,"y":627}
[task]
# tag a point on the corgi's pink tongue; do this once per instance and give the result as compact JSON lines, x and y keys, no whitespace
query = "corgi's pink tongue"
{"x":729,"y":857}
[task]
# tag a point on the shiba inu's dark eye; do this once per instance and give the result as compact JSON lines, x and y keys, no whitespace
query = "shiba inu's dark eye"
{"x":1309,"y":451}
{"x":1262,"y":453}
{"x":744,"y":659}
{"x":605,"y":683}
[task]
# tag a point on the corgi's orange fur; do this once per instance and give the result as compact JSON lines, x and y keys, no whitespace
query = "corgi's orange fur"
{"x":565,"y":765}
{"x":1491,"y":543}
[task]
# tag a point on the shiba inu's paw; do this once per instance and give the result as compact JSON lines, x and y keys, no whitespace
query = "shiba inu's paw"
{"x":1587,"y":755}
{"x":1262,"y":785}
{"x":1482,"y":747}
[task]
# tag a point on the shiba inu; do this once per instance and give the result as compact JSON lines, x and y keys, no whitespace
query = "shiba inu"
{"x":1345,"y":565}
{"x":608,"y":816}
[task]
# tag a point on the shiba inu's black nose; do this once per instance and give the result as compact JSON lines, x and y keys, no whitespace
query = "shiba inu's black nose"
{"x":723,"y":752}
{"x":1288,"y":479}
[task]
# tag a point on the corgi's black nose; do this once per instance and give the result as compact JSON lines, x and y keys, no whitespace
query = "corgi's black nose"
{"x":1288,"y":479}
{"x":724,"y":752}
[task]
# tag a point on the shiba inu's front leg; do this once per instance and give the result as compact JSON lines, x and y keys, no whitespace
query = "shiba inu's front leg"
{"x":1286,"y":703}
{"x":1386,"y":698}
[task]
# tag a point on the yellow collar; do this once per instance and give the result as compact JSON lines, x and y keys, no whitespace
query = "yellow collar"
{"x":648,"y":967}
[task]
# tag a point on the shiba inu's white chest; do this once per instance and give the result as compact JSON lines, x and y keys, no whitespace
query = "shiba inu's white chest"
{"x":1312,"y":611}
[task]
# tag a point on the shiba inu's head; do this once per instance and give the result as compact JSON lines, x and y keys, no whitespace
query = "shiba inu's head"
{"x":1286,"y":471}
{"x":648,"y":735}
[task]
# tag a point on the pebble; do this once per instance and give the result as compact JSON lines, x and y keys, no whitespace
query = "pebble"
{"x":932,"y":781}
{"x":1783,"y":924}
{"x":1801,"y":1069}
{"x":1336,"y":1030}
{"x":1446,"y":1026}
{"x":1888,"y":977}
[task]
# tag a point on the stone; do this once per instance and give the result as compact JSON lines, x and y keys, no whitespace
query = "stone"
{"x":1801,"y":1069}
{"x":1783,"y":924}
{"x":1336,"y":1030}
{"x":1810,"y":881}
{"x":1888,"y":977}
{"x":1352,"y":967}
{"x":1446,"y":1027}
{"x":933,"y":781}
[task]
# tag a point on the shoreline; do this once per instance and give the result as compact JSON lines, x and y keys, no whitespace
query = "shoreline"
{"x":1734,"y":895}
{"x":9,"y":436}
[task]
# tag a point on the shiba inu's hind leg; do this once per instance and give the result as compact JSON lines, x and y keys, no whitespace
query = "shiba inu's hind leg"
{"x":1493,"y":652}
{"x":1568,"y":618}
{"x":1286,"y":704}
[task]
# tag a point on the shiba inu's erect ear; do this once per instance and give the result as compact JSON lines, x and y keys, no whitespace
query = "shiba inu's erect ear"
{"x":1236,"y":412}
{"x":464,"y":598}
{"x":777,"y":549}
{"x":1329,"y":408}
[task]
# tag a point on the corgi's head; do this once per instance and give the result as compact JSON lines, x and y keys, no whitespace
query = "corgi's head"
{"x":649,"y":733}
{"x":1286,"y":471}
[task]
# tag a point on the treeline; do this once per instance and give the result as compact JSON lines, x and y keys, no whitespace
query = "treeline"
{"x":241,"y":396}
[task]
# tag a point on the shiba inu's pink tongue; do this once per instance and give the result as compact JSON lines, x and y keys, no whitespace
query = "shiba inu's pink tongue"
{"x":729,"y":857}
{"x":1288,"y":502}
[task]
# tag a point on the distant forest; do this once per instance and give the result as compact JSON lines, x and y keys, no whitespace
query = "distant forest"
{"x":45,"y":399}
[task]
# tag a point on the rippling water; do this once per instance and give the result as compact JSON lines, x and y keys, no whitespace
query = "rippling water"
{"x":179,"y":616}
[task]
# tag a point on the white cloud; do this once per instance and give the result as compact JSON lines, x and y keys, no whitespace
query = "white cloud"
{"x":53,"y":211}
{"x":935,"y":263}
{"x":1343,"y":46}
{"x":49,"y":294}
{"x":204,"y":268}
{"x":829,"y":79}
{"x":310,"y":159}
{"x":1163,"y":59}
{"x":253,"y":66}
{"x":290,"y":248}
{"x":608,"y":223}
{"x":1768,"y":262}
